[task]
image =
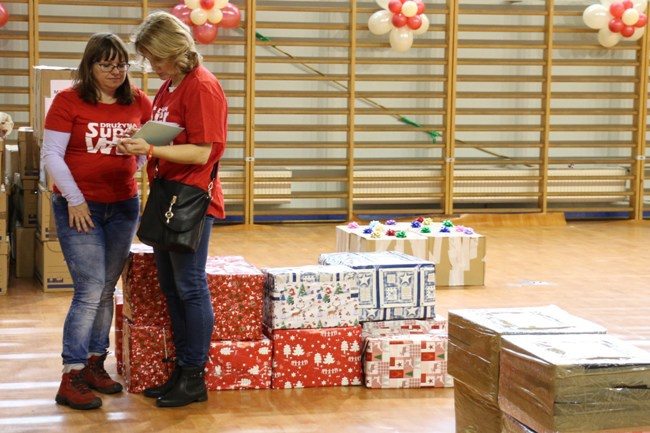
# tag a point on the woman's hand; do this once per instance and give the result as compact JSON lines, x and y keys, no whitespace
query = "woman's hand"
{"x":79,"y":217}
{"x":133,"y":146}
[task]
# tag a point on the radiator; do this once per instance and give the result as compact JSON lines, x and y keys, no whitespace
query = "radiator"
{"x":476,"y":186}
{"x":269,"y":184}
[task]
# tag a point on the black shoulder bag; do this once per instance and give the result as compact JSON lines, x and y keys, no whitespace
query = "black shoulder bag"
{"x":174,"y":214}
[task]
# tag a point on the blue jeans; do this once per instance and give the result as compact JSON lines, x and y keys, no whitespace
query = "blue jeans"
{"x":184,"y":283}
{"x":95,"y":261}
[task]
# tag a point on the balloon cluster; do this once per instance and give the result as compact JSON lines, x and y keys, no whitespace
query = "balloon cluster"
{"x":204,"y":16}
{"x":402,"y":18}
{"x":4,"y":15}
{"x":616,"y":20}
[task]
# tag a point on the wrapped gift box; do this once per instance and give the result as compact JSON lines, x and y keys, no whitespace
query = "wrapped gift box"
{"x":239,"y":365}
{"x":355,"y":240}
{"x":475,"y":339}
{"x":118,"y":321}
{"x":405,"y":326}
{"x":144,"y":303}
{"x":310,"y":297}
{"x":148,"y":355}
{"x":305,"y":358}
{"x":392,"y":285}
{"x":236,"y":289}
{"x":416,"y":360}
{"x":575,"y":383}
{"x":473,"y":413}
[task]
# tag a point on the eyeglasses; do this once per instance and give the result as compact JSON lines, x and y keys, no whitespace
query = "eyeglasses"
{"x":109,"y":67}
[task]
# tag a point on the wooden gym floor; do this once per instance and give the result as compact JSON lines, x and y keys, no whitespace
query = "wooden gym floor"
{"x":597,"y":270}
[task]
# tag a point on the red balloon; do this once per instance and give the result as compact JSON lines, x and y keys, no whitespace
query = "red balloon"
{"x":395,"y":6}
{"x":4,"y":16}
{"x":616,"y":9}
{"x":420,"y":4}
{"x":642,"y":21}
{"x":231,"y":16}
{"x":399,"y":20}
{"x":616,"y":25}
{"x":627,"y":4}
{"x":205,"y":33}
{"x":207,"y":4}
{"x":414,"y":22}
{"x":627,"y":31}
{"x":182,"y":12}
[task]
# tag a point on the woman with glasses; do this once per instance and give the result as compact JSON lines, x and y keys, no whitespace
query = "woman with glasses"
{"x":192,"y":97}
{"x":95,"y":205}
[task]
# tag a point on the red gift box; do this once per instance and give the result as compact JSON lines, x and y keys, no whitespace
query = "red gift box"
{"x":316,"y":357}
{"x":144,"y":303}
{"x":148,"y":355}
{"x":118,"y":318}
{"x":236,"y":289}
{"x":239,"y":365}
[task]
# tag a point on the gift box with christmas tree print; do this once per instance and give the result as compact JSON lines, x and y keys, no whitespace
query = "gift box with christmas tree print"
{"x":310,"y":297}
{"x":239,"y":365}
{"x":307,"y":358}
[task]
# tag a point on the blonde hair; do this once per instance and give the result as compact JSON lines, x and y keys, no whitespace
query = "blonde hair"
{"x":165,"y":37}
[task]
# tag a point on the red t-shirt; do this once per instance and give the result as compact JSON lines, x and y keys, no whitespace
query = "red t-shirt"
{"x":199,"y":105}
{"x":100,"y":172}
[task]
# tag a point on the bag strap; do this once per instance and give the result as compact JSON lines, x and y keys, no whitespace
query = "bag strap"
{"x":213,"y":175}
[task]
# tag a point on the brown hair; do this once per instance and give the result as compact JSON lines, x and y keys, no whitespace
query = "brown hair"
{"x":102,"y":47}
{"x":165,"y":37}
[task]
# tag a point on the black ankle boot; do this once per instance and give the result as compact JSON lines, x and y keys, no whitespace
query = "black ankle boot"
{"x":160,"y":390}
{"x":189,"y":388}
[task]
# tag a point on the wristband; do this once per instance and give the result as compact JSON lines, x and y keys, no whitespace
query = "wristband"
{"x":150,"y":154}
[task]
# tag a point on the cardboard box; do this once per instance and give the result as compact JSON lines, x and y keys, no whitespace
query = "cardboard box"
{"x":48,"y":81}
{"x":23,"y":251}
{"x":25,"y":199}
{"x":355,"y":240}
{"x":29,"y":152}
{"x":45,"y":225}
{"x":4,"y":214}
{"x":11,"y":163}
{"x":459,"y":259}
{"x":475,"y":339}
{"x":575,"y":383}
{"x":5,"y":266}
{"x":51,"y":269}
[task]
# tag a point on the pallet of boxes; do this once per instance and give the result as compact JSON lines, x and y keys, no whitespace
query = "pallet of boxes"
{"x":543,"y":370}
{"x":50,"y":268}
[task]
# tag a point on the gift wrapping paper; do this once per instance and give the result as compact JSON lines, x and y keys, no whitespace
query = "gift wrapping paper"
{"x":239,"y":365}
{"x":310,"y":297}
{"x":304,"y":358}
{"x":236,"y":289}
{"x":392,"y":285}
{"x":148,"y":355}
{"x":406,"y":361}
{"x":118,"y":320}
{"x":144,"y":303}
{"x":404,"y":326}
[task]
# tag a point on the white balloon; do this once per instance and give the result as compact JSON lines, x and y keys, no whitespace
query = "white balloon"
{"x":630,"y":17}
{"x":409,"y":8}
{"x":424,"y":27}
{"x":638,"y":34}
{"x":215,"y":15}
{"x":198,"y":16}
{"x":193,"y":4}
{"x":608,"y":39}
{"x":383,"y":3}
{"x":596,"y":16}
{"x":401,"y":39}
{"x":641,"y":5}
{"x":381,"y":22}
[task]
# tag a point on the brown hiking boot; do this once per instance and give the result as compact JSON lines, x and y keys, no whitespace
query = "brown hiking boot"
{"x":97,"y":378}
{"x":75,"y":393}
